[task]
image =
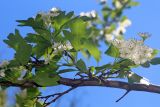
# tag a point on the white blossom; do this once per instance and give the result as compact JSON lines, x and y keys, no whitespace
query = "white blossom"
{"x":2,"y":74}
{"x":101,"y":32}
{"x":144,"y":81}
{"x":91,"y":14}
{"x":118,"y":4}
{"x":4,"y":64}
{"x":125,"y":23}
{"x":58,"y":47}
{"x":130,"y":74}
{"x":134,"y":50}
{"x":109,"y":37}
{"x":54,"y":9}
{"x":121,"y":29}
{"x":54,"y":12}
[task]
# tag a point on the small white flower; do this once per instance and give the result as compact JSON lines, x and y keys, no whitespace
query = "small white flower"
{"x":125,"y":23}
{"x":91,"y":14}
{"x":101,"y":32}
{"x":82,"y":14}
{"x":130,"y":74}
{"x":58,"y":47}
{"x":109,"y":37}
{"x":4,"y":64}
{"x":54,"y":9}
{"x":148,"y":55}
{"x":145,"y":81}
{"x":2,"y":74}
{"x":119,"y":30}
{"x":118,"y":4}
{"x":68,"y":46}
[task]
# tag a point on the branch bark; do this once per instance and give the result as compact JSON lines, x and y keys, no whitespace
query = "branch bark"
{"x":86,"y":82}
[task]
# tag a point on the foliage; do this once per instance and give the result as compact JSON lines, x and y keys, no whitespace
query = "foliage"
{"x":58,"y":38}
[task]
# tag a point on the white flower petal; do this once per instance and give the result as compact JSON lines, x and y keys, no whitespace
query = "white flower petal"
{"x":145,"y":81}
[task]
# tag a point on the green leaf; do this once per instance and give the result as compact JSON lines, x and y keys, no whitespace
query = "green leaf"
{"x":122,"y":74}
{"x":81,"y":43}
{"x":77,"y":34}
{"x":44,"y":78}
{"x":81,"y":65}
{"x":74,"y":40}
{"x":112,"y":51}
{"x":146,"y":65}
{"x":13,"y":75}
{"x":133,"y":3}
{"x":125,"y":63}
{"x":66,"y":70}
{"x":78,"y":28}
{"x":92,"y":48}
{"x":80,"y":37}
{"x":103,"y":67}
{"x":32,"y":92}
{"x":155,"y":61}
{"x":155,"y":52}
{"x":46,"y":75}
{"x":40,"y":44}
{"x":61,"y":20}
{"x":23,"y":50}
{"x":92,"y":69}
{"x":38,"y":104}
{"x":35,"y":23}
{"x":133,"y":77}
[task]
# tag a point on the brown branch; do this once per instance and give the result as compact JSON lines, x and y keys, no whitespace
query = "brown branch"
{"x":86,"y":82}
{"x":112,"y":84}
{"x":25,"y":84}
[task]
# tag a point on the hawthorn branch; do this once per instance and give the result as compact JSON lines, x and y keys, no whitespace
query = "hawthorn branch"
{"x":87,"y":82}
{"x":112,"y":84}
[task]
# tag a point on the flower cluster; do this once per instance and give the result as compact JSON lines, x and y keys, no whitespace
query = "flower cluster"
{"x":3,"y":65}
{"x":121,"y":29}
{"x":59,"y":47}
{"x":91,"y":14}
{"x":134,"y":50}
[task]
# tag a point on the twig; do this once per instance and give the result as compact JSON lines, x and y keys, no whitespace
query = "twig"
{"x":67,"y":54}
{"x":57,"y":97}
{"x":123,"y":95}
{"x":35,"y":59}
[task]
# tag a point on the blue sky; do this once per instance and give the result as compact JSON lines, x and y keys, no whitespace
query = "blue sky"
{"x":145,"y":18}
